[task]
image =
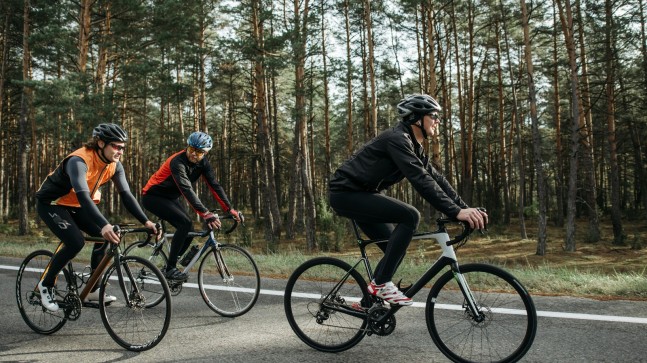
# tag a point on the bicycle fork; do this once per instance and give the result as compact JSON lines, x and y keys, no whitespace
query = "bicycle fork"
{"x":470,"y":301}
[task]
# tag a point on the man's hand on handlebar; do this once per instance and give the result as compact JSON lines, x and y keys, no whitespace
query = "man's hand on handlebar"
{"x":213,"y":222}
{"x":237,"y":215}
{"x":156,"y":229}
{"x":476,"y":217}
{"x":109,"y":234}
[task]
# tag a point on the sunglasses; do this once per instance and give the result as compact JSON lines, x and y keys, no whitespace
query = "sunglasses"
{"x":118,"y":147}
{"x":196,"y":151}
{"x":434,"y":116}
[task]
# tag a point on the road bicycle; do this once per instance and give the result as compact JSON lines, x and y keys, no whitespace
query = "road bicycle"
{"x":474,"y":312}
{"x":128,"y":320}
{"x":228,"y":277}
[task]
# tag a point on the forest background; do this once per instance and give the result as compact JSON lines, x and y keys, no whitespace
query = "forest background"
{"x":543,"y":103}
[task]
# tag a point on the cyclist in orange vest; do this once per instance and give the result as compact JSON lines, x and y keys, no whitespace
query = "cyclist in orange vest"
{"x":67,"y":202}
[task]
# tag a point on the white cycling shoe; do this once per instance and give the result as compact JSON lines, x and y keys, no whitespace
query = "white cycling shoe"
{"x":47,"y":297}
{"x":93,"y":297}
{"x":389,"y":293}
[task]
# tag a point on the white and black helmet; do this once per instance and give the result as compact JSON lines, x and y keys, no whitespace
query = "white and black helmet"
{"x":110,"y":133}
{"x":413,"y":107}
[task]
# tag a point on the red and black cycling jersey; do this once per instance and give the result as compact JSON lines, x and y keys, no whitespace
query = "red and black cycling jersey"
{"x":176,"y":176}
{"x":387,"y":159}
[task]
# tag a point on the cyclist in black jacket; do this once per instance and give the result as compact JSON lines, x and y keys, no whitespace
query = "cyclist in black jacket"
{"x":174,"y":180}
{"x":355,"y":190}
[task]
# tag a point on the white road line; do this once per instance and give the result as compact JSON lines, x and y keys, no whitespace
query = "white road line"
{"x":546,"y":314}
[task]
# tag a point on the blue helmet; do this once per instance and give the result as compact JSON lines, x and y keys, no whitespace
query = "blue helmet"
{"x":200,"y":140}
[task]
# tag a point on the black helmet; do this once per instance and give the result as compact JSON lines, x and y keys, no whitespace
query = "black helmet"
{"x":110,"y":132}
{"x":413,"y":107}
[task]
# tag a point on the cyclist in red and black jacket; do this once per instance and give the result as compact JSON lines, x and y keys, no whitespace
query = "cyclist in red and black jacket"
{"x":174,"y":179}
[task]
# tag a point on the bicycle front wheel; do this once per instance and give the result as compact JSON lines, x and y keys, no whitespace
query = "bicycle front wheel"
{"x":129,"y":320}
{"x":154,"y":292}
{"x":33,"y":313}
{"x":229,"y":280}
{"x":506,"y":323}
{"x":318,"y":304}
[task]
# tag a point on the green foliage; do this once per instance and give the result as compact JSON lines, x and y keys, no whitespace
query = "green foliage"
{"x":165,"y":57}
{"x":531,"y":211}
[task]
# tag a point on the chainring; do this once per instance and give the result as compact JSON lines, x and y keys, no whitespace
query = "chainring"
{"x":73,"y":306}
{"x":383,"y":328}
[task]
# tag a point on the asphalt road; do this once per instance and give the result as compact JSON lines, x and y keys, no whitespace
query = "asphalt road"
{"x":570,"y":330}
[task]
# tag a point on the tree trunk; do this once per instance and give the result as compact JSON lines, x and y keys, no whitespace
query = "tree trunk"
{"x":459,"y":75}
{"x":559,"y":174}
{"x":301,"y":147}
{"x":23,"y":187}
{"x":614,"y":178}
{"x":536,"y":136}
{"x":516,"y":125}
{"x":84,"y":34}
{"x":326,"y":100}
{"x":100,"y":76}
{"x":3,"y":75}
{"x":202,"y":77}
{"x":589,"y":191}
{"x":503,"y":150}
{"x":349,"y":83}
{"x":566,"y":19}
{"x":638,"y":156}
{"x":270,"y":201}
{"x":467,"y":126}
{"x":371,"y":70}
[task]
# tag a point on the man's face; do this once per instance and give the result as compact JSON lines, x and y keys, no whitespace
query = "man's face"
{"x":195,"y":154}
{"x":430,"y":123}
{"x":112,"y":150}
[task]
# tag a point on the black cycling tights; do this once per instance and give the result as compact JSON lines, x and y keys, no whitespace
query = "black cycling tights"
{"x":67,"y":224}
{"x":380,"y":217}
{"x":172,"y":211}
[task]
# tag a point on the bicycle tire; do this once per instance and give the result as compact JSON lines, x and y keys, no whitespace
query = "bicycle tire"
{"x":320,"y":324}
{"x":510,"y":318}
{"x":38,"y":318}
{"x":229,"y":288}
{"x":160,"y":259}
{"x":134,"y":325}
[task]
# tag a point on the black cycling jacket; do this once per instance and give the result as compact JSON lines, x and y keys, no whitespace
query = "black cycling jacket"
{"x":391,"y":156}
{"x":175,"y":177}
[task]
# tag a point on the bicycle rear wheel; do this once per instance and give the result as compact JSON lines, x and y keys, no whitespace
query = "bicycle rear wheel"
{"x":229,"y":280}
{"x":33,"y":313}
{"x":129,"y":321}
{"x":505,"y":328}
{"x":318,"y":303}
{"x":154,"y":293}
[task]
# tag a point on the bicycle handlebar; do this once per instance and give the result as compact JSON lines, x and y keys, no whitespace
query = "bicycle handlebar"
{"x":228,"y":216}
{"x":467,"y":230}
{"x":235,"y":224}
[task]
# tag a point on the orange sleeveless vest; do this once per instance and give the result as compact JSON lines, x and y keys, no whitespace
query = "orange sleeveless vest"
{"x":98,"y":174}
